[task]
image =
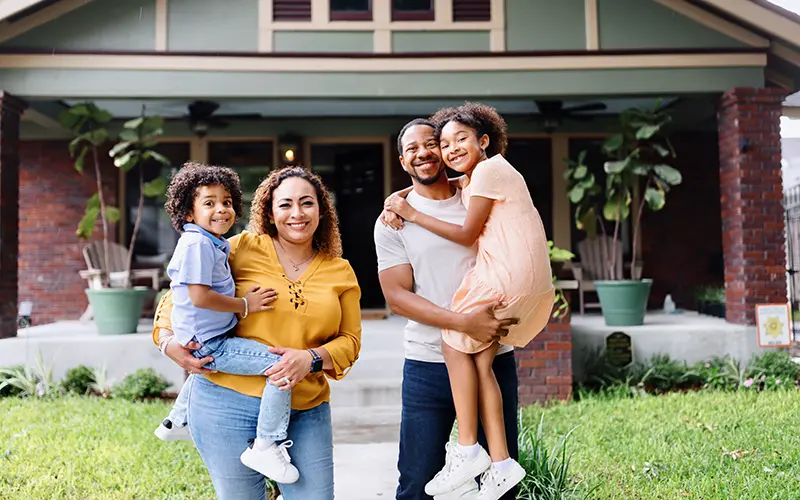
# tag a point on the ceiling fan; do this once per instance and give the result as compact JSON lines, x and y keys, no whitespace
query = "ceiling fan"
{"x":201,"y":117}
{"x":553,"y":113}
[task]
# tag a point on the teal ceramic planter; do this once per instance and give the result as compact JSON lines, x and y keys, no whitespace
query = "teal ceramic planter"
{"x":117,"y":310}
{"x":624,"y":302}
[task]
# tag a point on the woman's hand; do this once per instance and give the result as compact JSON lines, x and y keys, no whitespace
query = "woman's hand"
{"x":292,"y":368}
{"x":400,"y":206}
{"x":391,"y":220}
{"x":183,"y":357}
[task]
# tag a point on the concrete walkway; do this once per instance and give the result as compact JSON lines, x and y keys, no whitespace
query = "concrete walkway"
{"x":365,"y":471}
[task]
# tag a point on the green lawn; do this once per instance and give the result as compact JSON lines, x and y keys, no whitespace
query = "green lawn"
{"x":78,"y":448}
{"x":703,"y":445}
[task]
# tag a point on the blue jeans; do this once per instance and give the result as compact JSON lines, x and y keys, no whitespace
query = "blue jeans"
{"x":239,"y":356}
{"x":428,"y":417}
{"x":222,"y":421}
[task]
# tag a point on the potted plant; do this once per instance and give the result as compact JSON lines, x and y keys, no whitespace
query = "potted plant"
{"x":117,"y":305}
{"x":637,"y":168}
{"x":711,"y":301}
{"x":558,"y":256}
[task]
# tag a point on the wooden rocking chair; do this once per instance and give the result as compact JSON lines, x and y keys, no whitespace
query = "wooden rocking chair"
{"x":593,"y":267}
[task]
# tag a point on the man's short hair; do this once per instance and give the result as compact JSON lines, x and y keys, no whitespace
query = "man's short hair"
{"x":412,"y":123}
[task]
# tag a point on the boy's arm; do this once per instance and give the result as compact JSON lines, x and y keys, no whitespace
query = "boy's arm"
{"x":204,"y":297}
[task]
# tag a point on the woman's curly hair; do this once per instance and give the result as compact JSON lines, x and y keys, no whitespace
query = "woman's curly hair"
{"x":480,"y":117}
{"x":327,"y":239}
{"x":184,"y":184}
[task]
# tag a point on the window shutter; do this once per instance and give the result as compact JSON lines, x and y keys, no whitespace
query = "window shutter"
{"x":472,"y":10}
{"x":291,"y":10}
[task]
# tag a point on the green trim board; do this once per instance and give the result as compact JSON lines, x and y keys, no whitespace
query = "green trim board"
{"x":545,"y":25}
{"x":323,"y":41}
{"x":80,"y":84}
{"x":637,"y":24}
{"x":99,"y":25}
{"x":441,"y":41}
{"x":211,"y":25}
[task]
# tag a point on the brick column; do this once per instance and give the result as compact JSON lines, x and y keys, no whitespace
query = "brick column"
{"x":751,"y":198}
{"x":544,"y":366}
{"x":10,"y":111}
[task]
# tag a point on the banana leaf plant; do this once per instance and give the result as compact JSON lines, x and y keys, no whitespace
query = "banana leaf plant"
{"x":637,"y":167}
{"x":89,"y":125}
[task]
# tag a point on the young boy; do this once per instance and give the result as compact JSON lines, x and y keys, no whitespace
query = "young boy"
{"x":203,"y":202}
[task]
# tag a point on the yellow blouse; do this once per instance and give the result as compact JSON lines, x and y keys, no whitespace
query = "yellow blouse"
{"x":320,"y":309}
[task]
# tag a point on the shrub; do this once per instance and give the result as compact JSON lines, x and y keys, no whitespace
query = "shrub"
{"x":29,"y":381}
{"x":7,"y":389}
{"x":144,"y":383}
{"x":720,"y":373}
{"x":78,"y":380}
{"x":771,"y":370}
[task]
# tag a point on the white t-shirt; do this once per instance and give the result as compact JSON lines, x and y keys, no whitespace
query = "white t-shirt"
{"x":439,"y":266}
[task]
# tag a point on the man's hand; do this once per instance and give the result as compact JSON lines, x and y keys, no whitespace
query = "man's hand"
{"x":482,"y":326}
{"x":183,"y":357}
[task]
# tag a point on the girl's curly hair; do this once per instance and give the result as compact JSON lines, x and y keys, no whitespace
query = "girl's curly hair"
{"x":327,"y":239}
{"x":480,"y":117}
{"x":185,"y":182}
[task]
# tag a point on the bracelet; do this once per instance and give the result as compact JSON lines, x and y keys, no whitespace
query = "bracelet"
{"x":245,"y":308}
{"x":163,"y":344}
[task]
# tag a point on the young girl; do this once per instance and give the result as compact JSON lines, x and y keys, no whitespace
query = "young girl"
{"x":512,"y":266}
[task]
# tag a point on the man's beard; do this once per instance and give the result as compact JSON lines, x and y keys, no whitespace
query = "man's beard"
{"x":427,"y":181}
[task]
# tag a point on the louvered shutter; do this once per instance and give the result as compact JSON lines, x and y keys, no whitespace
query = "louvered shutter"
{"x":472,"y":10}
{"x":291,"y":10}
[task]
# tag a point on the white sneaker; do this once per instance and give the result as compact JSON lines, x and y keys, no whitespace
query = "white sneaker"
{"x":167,"y":431}
{"x":273,"y":462}
{"x":457,"y":470}
{"x":467,"y":491}
{"x":496,"y":483}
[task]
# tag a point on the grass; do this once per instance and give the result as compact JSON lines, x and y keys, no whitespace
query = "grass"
{"x":701,"y":445}
{"x":81,"y":448}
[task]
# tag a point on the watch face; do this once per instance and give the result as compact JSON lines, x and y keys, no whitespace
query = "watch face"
{"x":316,"y":365}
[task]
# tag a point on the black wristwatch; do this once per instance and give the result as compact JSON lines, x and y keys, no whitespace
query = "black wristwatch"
{"x":316,"y":363}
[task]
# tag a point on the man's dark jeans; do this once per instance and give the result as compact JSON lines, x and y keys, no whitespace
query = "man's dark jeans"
{"x":428,"y":417}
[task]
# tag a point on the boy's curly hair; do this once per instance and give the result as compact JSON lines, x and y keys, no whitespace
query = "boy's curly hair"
{"x":183,"y":187}
{"x":327,"y":239}
{"x":480,"y":117}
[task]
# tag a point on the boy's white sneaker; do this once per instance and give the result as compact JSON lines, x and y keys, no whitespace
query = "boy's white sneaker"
{"x":467,"y":491}
{"x":272,"y":461}
{"x":168,"y":431}
{"x":496,"y":482}
{"x":458,"y":469}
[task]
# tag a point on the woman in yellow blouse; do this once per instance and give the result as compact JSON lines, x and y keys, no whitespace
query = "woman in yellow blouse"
{"x":292,"y":246}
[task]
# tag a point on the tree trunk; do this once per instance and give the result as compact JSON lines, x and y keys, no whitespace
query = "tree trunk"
{"x":105,"y":277}
{"x":129,"y":281}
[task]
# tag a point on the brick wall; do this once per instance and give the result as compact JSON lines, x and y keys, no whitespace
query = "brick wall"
{"x":682,"y":243}
{"x":544,"y":366}
{"x":52,"y":201}
{"x":751,"y":198}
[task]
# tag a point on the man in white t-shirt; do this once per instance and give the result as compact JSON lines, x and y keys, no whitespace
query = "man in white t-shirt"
{"x":419,"y":274}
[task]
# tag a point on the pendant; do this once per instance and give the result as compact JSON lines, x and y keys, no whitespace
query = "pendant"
{"x":296,"y":267}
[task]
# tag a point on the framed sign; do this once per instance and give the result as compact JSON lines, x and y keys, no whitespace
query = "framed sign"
{"x":774,"y":325}
{"x":619,"y":349}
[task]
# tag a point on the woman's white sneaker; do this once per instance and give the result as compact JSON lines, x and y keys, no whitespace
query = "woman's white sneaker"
{"x":458,"y":469}
{"x":496,"y":481}
{"x":272,"y":461}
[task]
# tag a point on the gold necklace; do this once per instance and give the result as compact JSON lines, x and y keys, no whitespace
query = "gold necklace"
{"x":296,"y":267}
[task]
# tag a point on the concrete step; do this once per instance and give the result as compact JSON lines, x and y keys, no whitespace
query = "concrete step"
{"x":366,"y":393}
{"x":371,"y":365}
{"x":376,"y":424}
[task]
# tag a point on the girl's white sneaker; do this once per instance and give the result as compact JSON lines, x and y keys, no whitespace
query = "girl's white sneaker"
{"x":496,"y":483}
{"x":458,"y":469}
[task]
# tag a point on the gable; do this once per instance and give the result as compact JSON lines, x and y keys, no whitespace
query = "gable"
{"x":645,"y":24}
{"x":100,"y":24}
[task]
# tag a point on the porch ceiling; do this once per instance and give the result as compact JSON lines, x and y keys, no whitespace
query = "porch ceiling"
{"x":299,"y":108}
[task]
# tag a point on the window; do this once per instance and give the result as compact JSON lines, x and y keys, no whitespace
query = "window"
{"x":351,"y":10}
{"x":412,"y":10}
{"x":291,"y":10}
{"x":472,"y":10}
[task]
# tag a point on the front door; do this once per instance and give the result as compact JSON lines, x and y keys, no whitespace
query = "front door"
{"x":354,"y":175}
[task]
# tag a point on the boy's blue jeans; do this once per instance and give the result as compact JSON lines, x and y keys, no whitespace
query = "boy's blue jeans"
{"x":239,"y":356}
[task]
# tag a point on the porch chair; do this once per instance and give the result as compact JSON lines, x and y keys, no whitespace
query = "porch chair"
{"x":593,"y":267}
{"x":117,"y":261}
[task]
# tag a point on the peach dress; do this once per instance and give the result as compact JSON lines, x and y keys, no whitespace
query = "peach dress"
{"x":513,"y":261}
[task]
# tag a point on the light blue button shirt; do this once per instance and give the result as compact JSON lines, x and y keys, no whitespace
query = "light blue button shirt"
{"x":200,"y":258}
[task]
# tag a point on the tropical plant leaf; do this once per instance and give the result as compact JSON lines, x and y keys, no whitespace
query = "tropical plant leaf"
{"x":581,"y":171}
{"x":615,"y":167}
{"x":112,"y":214}
{"x":655,"y":198}
{"x":93,"y":202}
{"x":156,"y":187}
{"x":576,"y":194}
{"x":668,"y":174}
{"x":129,"y":135}
{"x":134,"y":123}
{"x":119,"y":148}
{"x":616,"y":209}
{"x":153,"y":155}
{"x":613,"y":143}
{"x":128,"y":160}
{"x":661,"y":150}
{"x":79,"y":160}
{"x":647,"y":131}
{"x":87,"y":223}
